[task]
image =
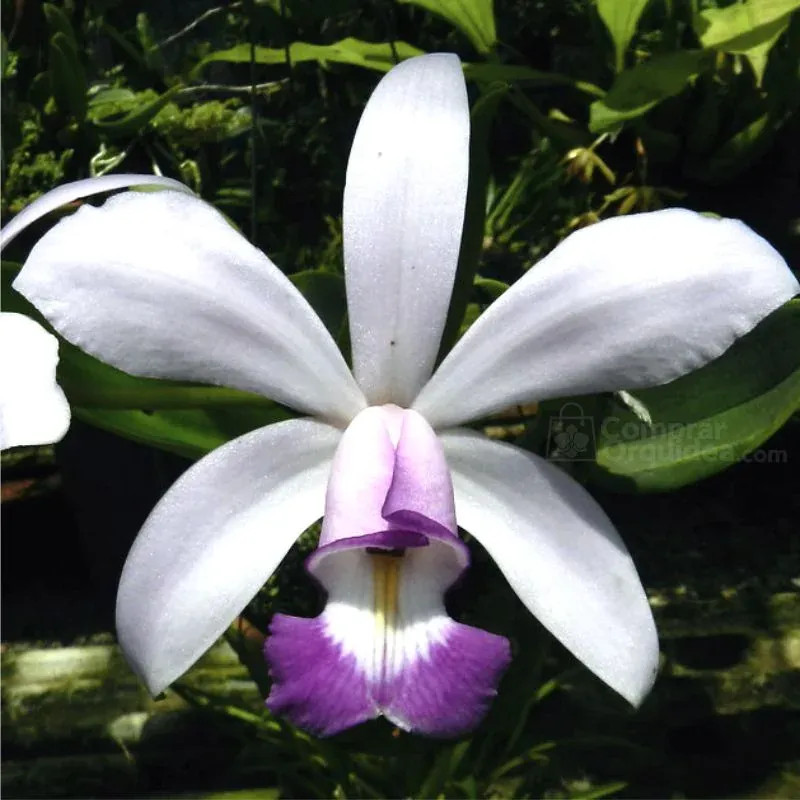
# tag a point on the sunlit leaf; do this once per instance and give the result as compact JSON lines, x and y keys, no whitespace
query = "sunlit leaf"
{"x":750,"y":28}
{"x":621,"y":18}
{"x":372,"y":55}
{"x":382,"y":56}
{"x":474,"y":18}
{"x":758,"y":55}
{"x":738,"y":27}
{"x":637,"y":90}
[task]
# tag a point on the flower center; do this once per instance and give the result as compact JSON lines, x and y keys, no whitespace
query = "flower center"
{"x":386,"y":568}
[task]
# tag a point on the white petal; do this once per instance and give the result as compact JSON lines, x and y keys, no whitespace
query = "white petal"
{"x":33,"y":409}
{"x":75,"y":191}
{"x":561,"y":556}
{"x":214,"y":539}
{"x":627,"y":303}
{"x":403,"y":214}
{"x":160,"y":285}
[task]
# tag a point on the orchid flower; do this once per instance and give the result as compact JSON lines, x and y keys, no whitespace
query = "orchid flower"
{"x":160,"y":285}
{"x":33,"y":409}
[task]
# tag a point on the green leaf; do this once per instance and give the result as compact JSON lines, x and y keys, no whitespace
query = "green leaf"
{"x":372,"y":55}
{"x":758,"y":55}
{"x":190,"y":433}
{"x":637,"y":90}
{"x":133,"y":122}
{"x":706,"y":421}
{"x":490,"y":288}
{"x":474,"y":18}
{"x":489,"y":72}
{"x":90,"y":383}
{"x":741,"y":26}
{"x":380,"y":56}
{"x":621,"y":18}
{"x":750,"y":28}
{"x":67,"y":76}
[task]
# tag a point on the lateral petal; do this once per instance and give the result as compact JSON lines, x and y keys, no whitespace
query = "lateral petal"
{"x":214,"y":539}
{"x":77,"y":190}
{"x":627,"y":303}
{"x":560,"y":554}
{"x":33,"y":409}
{"x":160,"y":285}
{"x":403,"y":214}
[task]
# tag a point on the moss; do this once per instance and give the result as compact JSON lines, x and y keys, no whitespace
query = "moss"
{"x":202,"y":123}
{"x":32,"y":172}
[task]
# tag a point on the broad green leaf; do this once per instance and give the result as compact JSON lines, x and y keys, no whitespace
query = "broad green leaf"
{"x":706,"y":421}
{"x":91,"y":383}
{"x":750,"y":28}
{"x":372,"y":55}
{"x":474,"y":18}
{"x":621,"y":18}
{"x":637,"y":90}
{"x":740,"y":26}
{"x":190,"y":433}
{"x":758,"y":55}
